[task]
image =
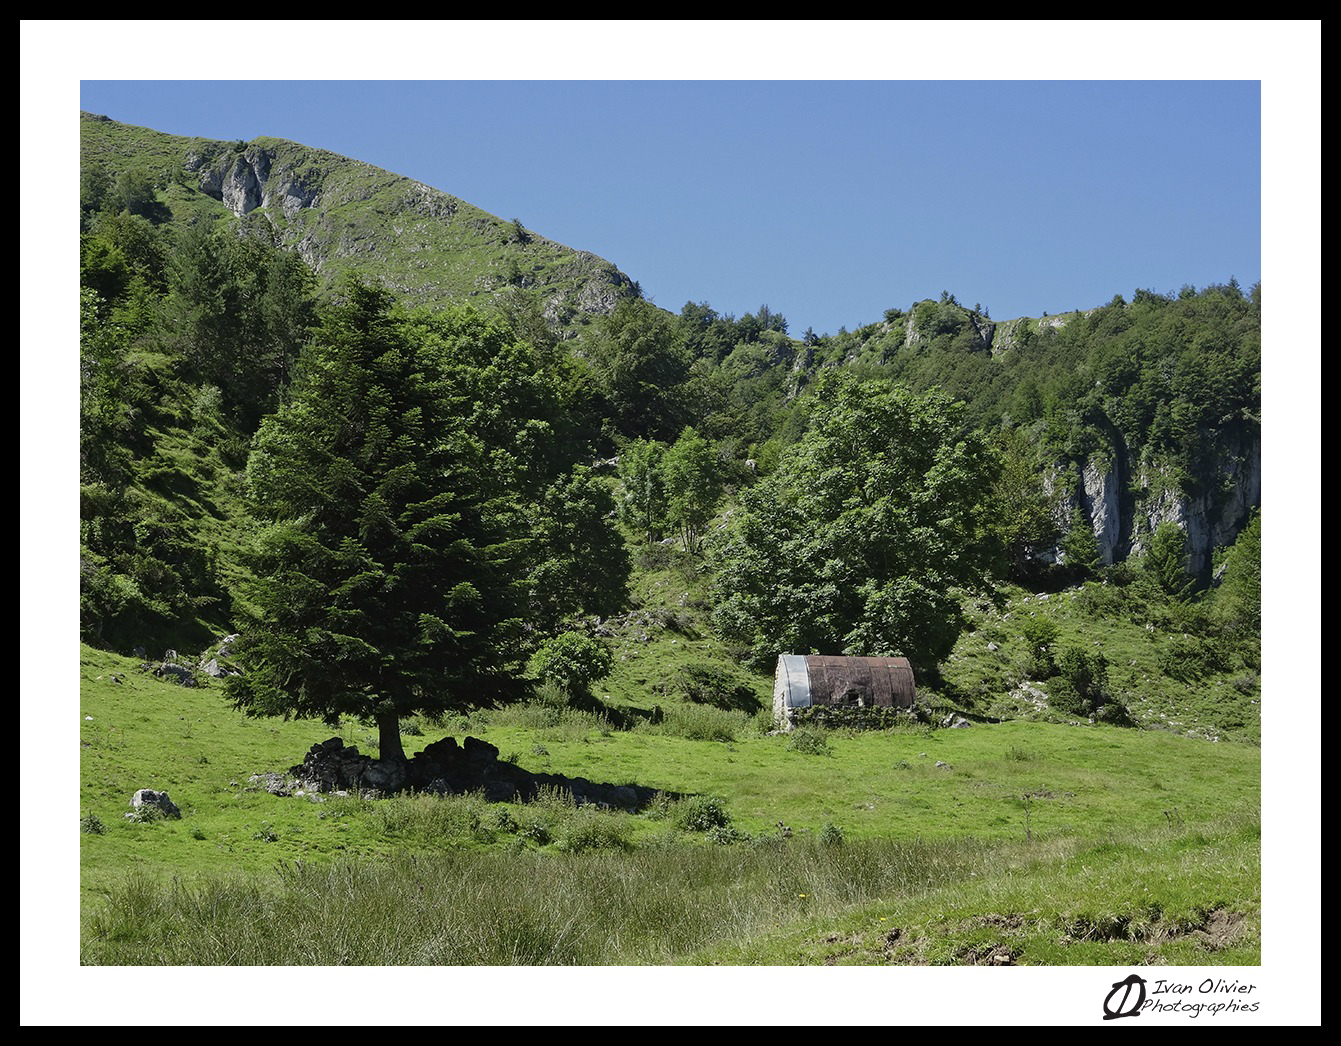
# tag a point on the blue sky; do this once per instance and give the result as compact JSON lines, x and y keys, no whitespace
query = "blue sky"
{"x":829,"y":201}
{"x":847,"y":168}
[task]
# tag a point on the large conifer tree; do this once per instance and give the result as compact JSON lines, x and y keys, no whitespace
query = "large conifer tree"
{"x":391,"y":567}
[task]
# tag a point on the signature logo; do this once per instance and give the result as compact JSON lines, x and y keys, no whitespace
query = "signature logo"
{"x":1125,"y":988}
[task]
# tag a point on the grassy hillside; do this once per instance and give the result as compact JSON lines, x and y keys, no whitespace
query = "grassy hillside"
{"x":342,"y":216}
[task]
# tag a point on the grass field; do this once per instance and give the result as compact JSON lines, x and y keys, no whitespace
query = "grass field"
{"x":1013,"y":843}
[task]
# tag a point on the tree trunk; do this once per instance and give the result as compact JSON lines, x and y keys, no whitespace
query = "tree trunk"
{"x":388,"y":737}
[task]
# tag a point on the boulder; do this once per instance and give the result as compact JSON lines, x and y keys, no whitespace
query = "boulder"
{"x":147,"y":797}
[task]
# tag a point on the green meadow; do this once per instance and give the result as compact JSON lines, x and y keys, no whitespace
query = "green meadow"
{"x":1009,"y":843}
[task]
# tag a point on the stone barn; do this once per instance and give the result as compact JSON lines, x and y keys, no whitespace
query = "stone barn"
{"x":803,"y":680}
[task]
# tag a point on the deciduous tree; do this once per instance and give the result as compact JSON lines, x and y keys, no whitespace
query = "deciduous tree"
{"x":855,"y":542}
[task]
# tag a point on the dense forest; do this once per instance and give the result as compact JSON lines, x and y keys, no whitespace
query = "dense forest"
{"x":405,"y":505}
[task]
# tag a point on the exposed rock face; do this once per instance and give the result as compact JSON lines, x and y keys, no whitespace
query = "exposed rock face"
{"x":1102,"y":507}
{"x":1212,"y":517}
{"x":243,"y":183}
{"x":1126,"y":510}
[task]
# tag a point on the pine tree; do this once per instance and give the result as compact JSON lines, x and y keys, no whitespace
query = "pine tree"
{"x":390,"y":574}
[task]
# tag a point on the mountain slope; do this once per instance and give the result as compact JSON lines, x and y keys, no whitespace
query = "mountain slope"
{"x":342,"y":215}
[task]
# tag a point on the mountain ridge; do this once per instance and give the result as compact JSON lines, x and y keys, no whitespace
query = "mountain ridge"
{"x":343,"y":215}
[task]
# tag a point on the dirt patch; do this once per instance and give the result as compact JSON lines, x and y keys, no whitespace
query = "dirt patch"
{"x":1217,"y":930}
{"x":989,"y":955}
{"x":1000,"y":922}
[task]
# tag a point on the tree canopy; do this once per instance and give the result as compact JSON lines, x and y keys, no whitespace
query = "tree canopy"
{"x":395,"y":565}
{"x":855,"y":542}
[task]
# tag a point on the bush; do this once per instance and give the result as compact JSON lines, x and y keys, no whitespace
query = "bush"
{"x":830,"y":834}
{"x":572,"y":662}
{"x":700,"y":723}
{"x":1189,"y":658}
{"x":809,"y":740}
{"x":1040,"y":633}
{"x":91,"y":824}
{"x":699,"y":813}
{"x":590,"y":829}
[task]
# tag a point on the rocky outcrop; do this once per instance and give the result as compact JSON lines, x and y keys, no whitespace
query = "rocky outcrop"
{"x":1214,"y":515}
{"x":243,"y":182}
{"x":1126,"y":505}
{"x":445,"y":768}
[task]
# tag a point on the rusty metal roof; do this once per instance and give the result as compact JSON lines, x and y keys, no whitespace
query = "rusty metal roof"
{"x":829,"y":680}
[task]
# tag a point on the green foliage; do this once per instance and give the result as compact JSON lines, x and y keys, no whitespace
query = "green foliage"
{"x":708,"y":684}
{"x":698,"y":723}
{"x":589,"y":829}
{"x":809,"y":740}
{"x":1191,"y":658}
{"x":692,"y":483}
{"x":1238,"y":598}
{"x":1080,"y":548}
{"x":1081,"y":685}
{"x":643,"y":504}
{"x":1040,"y":632}
{"x":237,"y":314}
{"x":572,"y":662}
{"x":1166,"y":560}
{"x":390,"y":574}
{"x":854,"y":543}
{"x":641,"y":365}
{"x":699,"y":813}
{"x":1021,"y":512}
{"x":91,"y":824}
{"x":579,"y":563}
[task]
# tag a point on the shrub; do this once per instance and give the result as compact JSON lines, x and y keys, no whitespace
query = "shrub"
{"x":572,"y":662}
{"x":590,"y":829}
{"x":1086,"y":671}
{"x":700,"y":723}
{"x":91,"y":824}
{"x":726,"y":834}
{"x":809,"y":740}
{"x":699,"y":813}
{"x":1189,"y":658}
{"x":1040,"y":633}
{"x":830,"y":834}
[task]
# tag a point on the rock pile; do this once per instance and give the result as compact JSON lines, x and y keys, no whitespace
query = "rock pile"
{"x":448,"y":768}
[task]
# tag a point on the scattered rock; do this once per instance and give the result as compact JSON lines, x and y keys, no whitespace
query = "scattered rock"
{"x":156,"y":800}
{"x":176,"y":674}
{"x":275,"y":784}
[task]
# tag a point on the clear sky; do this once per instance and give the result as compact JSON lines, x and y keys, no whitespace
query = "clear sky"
{"x":829,"y":201}
{"x":847,"y":167}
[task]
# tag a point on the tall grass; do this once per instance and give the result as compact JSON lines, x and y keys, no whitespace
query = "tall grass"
{"x":665,"y":904}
